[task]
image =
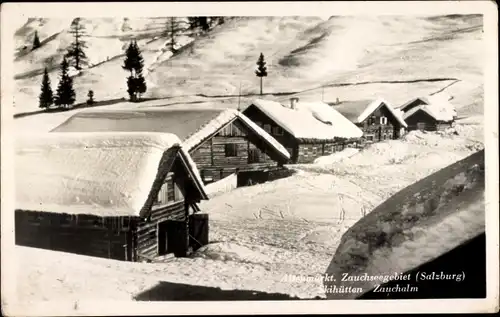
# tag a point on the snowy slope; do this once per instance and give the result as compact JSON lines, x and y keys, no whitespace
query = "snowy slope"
{"x":260,"y":233}
{"x":302,"y":54}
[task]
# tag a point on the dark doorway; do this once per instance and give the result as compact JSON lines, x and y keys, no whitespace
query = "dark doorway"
{"x":162,"y":238}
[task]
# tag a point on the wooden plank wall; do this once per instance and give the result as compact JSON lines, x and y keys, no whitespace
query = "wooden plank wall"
{"x":286,"y":139}
{"x":308,"y":152}
{"x":210,"y":157}
{"x":147,"y":229}
{"x":390,"y":130}
{"x":82,"y":234}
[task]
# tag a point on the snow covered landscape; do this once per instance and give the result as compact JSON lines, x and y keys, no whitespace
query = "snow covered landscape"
{"x":260,"y":233}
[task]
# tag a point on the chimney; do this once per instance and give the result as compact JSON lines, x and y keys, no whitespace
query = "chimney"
{"x":293,"y":102}
{"x":337,"y":101}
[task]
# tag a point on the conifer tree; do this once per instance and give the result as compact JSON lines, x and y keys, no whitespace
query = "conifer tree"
{"x":65,"y":95}
{"x":261,"y":70}
{"x":36,"y":41}
{"x":76,"y":50}
{"x":134,"y":63}
{"x":90,"y":95}
{"x":46,"y":97}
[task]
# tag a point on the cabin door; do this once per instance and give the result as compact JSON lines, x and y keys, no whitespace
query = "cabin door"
{"x":379,"y":134}
{"x":162,"y":238}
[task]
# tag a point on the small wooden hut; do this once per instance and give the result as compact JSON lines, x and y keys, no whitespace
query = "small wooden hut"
{"x":124,"y":196}
{"x":376,"y":118}
{"x":430,"y":113}
{"x":307,"y":130}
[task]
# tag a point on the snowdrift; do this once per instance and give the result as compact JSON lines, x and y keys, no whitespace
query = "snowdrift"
{"x":414,"y":226}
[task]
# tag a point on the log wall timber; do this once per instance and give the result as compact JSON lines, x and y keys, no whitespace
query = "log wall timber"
{"x":83,"y":234}
{"x":234,"y":148}
{"x":375,"y":130}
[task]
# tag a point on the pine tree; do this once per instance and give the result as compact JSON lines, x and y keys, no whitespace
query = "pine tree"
{"x":76,"y":50}
{"x":46,"y":98}
{"x":90,"y":95}
{"x":65,"y":95}
{"x":203,"y":24}
{"x":134,"y":63}
{"x":261,"y":70}
{"x":36,"y":41}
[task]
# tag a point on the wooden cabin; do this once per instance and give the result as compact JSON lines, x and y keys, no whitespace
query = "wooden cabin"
{"x":307,"y":130}
{"x":376,"y":118}
{"x":221,"y":142}
{"x":431,"y":113}
{"x":124,"y":196}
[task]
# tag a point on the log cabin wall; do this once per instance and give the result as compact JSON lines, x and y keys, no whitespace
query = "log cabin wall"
{"x":234,"y":148}
{"x":106,"y":237}
{"x":308,"y":152}
{"x":171,"y":205}
{"x":420,"y":120}
{"x":375,"y":128}
{"x":271,"y":127}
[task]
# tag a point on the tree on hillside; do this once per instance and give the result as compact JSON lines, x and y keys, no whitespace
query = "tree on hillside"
{"x":76,"y":50}
{"x":261,"y":70}
{"x":36,"y":41}
{"x":204,"y":24}
{"x":65,"y":95}
{"x":173,"y":28}
{"x":91,"y":100}
{"x":46,"y":97}
{"x":134,"y":63}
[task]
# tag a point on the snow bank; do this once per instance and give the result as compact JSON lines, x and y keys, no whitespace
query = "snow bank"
{"x":226,"y":251}
{"x":104,"y":174}
{"x":222,"y":186}
{"x":336,"y":157}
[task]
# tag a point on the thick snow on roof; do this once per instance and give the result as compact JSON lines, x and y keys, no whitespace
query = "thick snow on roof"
{"x":191,"y":125}
{"x":104,"y":174}
{"x":437,"y":106}
{"x":358,"y":110}
{"x":309,"y":120}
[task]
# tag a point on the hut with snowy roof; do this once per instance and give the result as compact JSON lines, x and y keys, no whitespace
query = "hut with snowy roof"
{"x":376,"y":118}
{"x":430,"y":113}
{"x":221,"y":142}
{"x":307,"y":130}
{"x":125,"y":196}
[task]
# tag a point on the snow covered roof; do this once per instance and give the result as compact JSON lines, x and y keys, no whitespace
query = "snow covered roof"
{"x":103,"y":174}
{"x":191,"y":125}
{"x":309,"y":120}
{"x":437,"y":106}
{"x":358,"y":110}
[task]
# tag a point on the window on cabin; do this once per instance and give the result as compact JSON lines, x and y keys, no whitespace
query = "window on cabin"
{"x":277,"y":131}
{"x":371,"y":120}
{"x":369,"y":137}
{"x":267,"y":128}
{"x":258,"y":123}
{"x":171,"y":192}
{"x":231,"y":150}
{"x":383,"y":120}
{"x":253,"y":156}
{"x":166,"y":192}
{"x":178,"y":196}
